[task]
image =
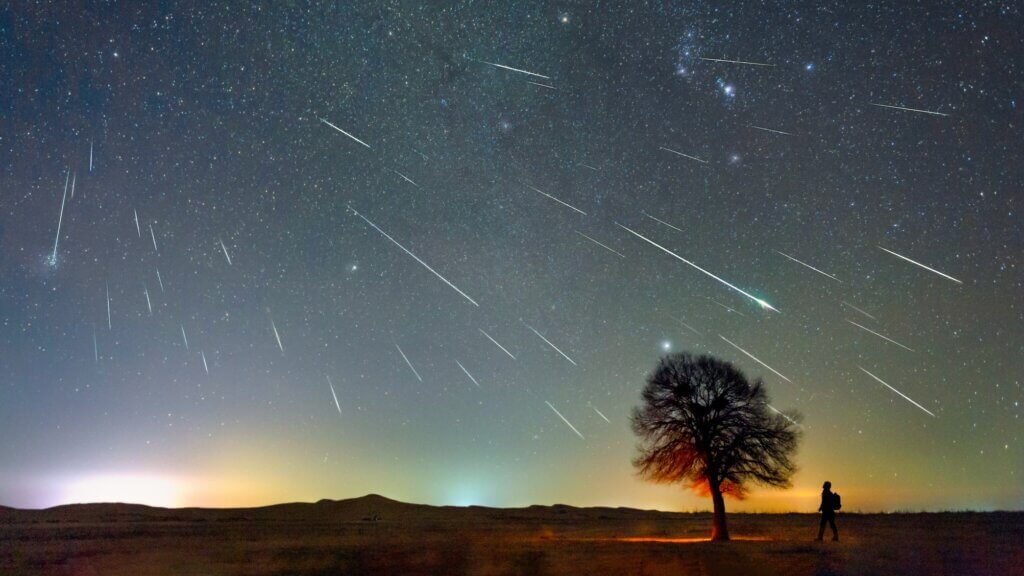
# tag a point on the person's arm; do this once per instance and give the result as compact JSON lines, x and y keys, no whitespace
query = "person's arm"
{"x":821,"y":507}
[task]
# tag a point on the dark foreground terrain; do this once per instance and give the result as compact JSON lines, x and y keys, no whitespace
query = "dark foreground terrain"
{"x":374,"y":535}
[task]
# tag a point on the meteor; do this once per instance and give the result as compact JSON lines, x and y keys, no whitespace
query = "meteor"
{"x":760,"y":302}
{"x":415,"y":257}
{"x":406,"y":358}
{"x":909,"y":109}
{"x":153,"y":236}
{"x":660,"y":221}
{"x":947,"y":276}
{"x":556,"y":199}
{"x":333,"y":395}
{"x":149,"y":304}
{"x":225,"y":249}
{"x":205,"y":366}
{"x":806,"y":265}
{"x":277,"y":336}
{"x":110,"y":325}
{"x":467,"y":373}
{"x":60,"y":220}
{"x":509,"y":68}
{"x":90,"y":156}
{"x":184,"y":337}
{"x":601,"y":245}
{"x":541,"y":85}
{"x":755,"y":359}
{"x":74,"y":178}
{"x":589,"y":166}
{"x":683,"y":155}
{"x":905,"y":397}
{"x":727,"y":308}
{"x":781,"y":413}
{"x":159,"y":280}
{"x":496,"y":343}
{"x":737,"y":62}
{"x":345,"y":133}
{"x":601,"y":415}
{"x":769,"y":130}
{"x":879,"y":335}
{"x":137,"y":229}
{"x":95,"y":345}
{"x":552,"y":345}
{"x":406,"y":178}
{"x":688,"y":327}
{"x":567,"y":423}
{"x":845,"y":303}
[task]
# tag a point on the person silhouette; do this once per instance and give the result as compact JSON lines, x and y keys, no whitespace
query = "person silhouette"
{"x":828,"y":511}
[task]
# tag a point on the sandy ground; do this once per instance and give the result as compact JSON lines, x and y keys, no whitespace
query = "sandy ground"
{"x":374,"y":535}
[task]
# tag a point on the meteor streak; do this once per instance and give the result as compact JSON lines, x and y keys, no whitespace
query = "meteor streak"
{"x":406,"y":358}
{"x":879,"y":335}
{"x":333,"y":395}
{"x":415,"y":257}
{"x":567,"y":423}
{"x":149,"y":304}
{"x":601,"y":415}
{"x":90,"y":156}
{"x":702,"y":161}
{"x":905,"y":397}
{"x":137,"y":229}
{"x":688,"y":327}
{"x":345,"y":133}
{"x":781,"y":413}
{"x":496,"y":343}
{"x":947,"y":276}
{"x":613,"y":251}
{"x":727,"y":308}
{"x":509,"y":68}
{"x":909,"y":109}
{"x":660,"y":221}
{"x":737,"y":62}
{"x":153,"y":236}
{"x":110,"y":325}
{"x":60,"y":220}
{"x":755,"y":359}
{"x":159,"y":280}
{"x":74,"y":178}
{"x":806,"y":265}
{"x":277,"y":336}
{"x":769,"y":130}
{"x":845,"y":303}
{"x":541,"y":85}
{"x":760,"y":302}
{"x":225,"y":249}
{"x":205,"y":365}
{"x":184,"y":337}
{"x":95,"y":345}
{"x":406,"y":178}
{"x":552,"y":345}
{"x":556,"y":199}
{"x":467,"y":373}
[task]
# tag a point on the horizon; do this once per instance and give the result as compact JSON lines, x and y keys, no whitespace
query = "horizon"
{"x":253,"y":255}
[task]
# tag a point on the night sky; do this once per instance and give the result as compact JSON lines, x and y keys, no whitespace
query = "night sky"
{"x":848,"y":178}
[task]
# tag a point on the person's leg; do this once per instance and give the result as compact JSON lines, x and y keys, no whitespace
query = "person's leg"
{"x":821,"y":527}
{"x":835,"y":531}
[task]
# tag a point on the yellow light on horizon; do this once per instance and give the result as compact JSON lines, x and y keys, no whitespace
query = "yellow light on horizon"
{"x":125,"y":488}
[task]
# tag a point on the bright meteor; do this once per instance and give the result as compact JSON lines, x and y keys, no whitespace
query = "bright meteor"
{"x":567,"y":423}
{"x":915,"y":263}
{"x":755,"y":359}
{"x":759,"y":301}
{"x":905,"y":397}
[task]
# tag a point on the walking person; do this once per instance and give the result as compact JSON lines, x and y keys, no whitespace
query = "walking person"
{"x":830,"y":502}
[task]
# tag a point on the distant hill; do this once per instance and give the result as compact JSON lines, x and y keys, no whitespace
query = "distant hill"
{"x":369,"y":508}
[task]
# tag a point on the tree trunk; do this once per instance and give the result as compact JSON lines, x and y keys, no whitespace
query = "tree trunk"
{"x":718,"y":529}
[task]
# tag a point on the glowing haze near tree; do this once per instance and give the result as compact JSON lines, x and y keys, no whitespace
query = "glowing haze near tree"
{"x":831,"y":194}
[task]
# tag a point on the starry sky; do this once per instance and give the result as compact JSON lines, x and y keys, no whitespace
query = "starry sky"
{"x":275,"y":252}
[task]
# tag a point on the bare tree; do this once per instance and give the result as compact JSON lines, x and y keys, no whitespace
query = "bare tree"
{"x":703,"y":424}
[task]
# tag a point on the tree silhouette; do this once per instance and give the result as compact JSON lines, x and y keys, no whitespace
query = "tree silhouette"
{"x":703,"y":424}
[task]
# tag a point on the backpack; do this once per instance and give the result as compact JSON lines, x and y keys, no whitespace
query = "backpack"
{"x":837,"y":502}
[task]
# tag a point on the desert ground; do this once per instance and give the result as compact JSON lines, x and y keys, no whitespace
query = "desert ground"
{"x":375,"y":535}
